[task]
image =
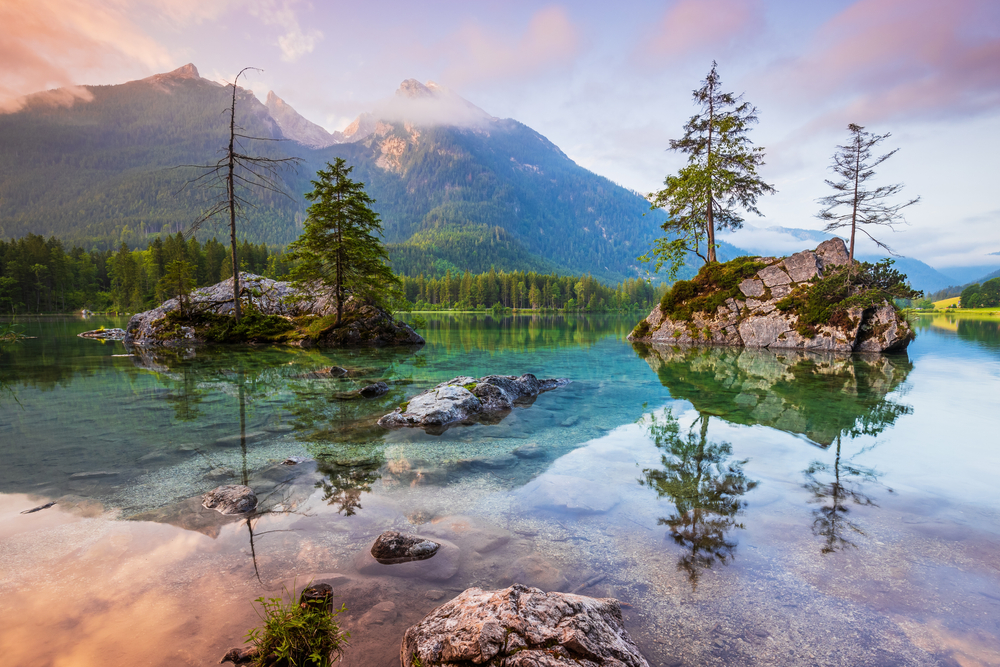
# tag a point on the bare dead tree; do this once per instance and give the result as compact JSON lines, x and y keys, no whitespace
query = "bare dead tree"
{"x":237,"y":170}
{"x":867,"y":206}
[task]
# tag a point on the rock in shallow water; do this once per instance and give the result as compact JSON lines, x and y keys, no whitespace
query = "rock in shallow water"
{"x":521,"y":627}
{"x":230,"y":499}
{"x":467,"y":399}
{"x":392,"y":547}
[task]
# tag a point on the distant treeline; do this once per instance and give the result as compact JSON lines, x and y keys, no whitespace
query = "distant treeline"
{"x":42,"y":276}
{"x":39,"y":275}
{"x":518,"y":289}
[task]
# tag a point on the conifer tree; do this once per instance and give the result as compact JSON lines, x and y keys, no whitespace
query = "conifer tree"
{"x":340,"y":248}
{"x":866,"y":206}
{"x":719,"y":180}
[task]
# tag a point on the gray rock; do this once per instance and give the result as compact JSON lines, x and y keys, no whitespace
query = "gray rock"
{"x":374,"y":390}
{"x":521,"y":627}
{"x":802,"y":266}
{"x":465,"y":399}
{"x":220,"y":473}
{"x":751,"y":287}
{"x":230,"y":499}
{"x":366,"y":325}
{"x":758,"y":323}
{"x":832,"y":252}
{"x":535,"y":571}
{"x":773,"y":275}
{"x":96,"y":474}
{"x":392,"y":547}
{"x":442,"y":567}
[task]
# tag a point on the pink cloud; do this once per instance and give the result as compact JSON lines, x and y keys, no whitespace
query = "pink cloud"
{"x":693,"y":27}
{"x":476,"y":54}
{"x":50,"y":43}
{"x":881,"y":59}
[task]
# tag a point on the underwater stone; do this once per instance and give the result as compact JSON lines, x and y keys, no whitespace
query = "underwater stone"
{"x":393,"y":547}
{"x":374,"y":390}
{"x":230,"y":499}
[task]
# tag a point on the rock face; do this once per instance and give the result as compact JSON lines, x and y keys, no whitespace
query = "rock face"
{"x":230,"y":499}
{"x":392,"y":547}
{"x":754,"y":320}
{"x":467,"y":399}
{"x":365,"y":325}
{"x":521,"y":627}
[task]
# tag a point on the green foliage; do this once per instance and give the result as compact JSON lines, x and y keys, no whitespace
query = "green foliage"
{"x":641,"y":329}
{"x":340,"y":248}
{"x":986,"y":295}
{"x":719,"y":180}
{"x":714,"y":284}
{"x":39,"y":275}
{"x":253,"y":327}
{"x":826,"y":301}
{"x":298,"y":634}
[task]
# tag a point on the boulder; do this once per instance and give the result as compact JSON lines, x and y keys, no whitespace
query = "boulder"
{"x":230,"y":499}
{"x":443,"y":566}
{"x":374,"y":390}
{"x":466,"y":399}
{"x":364,"y":324}
{"x":752,"y":318}
{"x":392,"y":547}
{"x":521,"y":627}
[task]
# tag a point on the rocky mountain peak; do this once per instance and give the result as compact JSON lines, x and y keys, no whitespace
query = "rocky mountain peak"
{"x":413,"y":89}
{"x":297,"y":128}
{"x":188,"y":71}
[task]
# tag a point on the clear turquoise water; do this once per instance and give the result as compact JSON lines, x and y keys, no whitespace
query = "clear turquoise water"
{"x":750,"y":507}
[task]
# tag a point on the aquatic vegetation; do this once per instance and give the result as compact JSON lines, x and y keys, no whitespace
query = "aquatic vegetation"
{"x":303,"y":633}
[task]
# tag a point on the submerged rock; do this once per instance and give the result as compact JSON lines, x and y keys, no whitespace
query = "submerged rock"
{"x":230,"y":499}
{"x":756,"y":314}
{"x":363,"y":325}
{"x":392,"y":547}
{"x":104,"y":334}
{"x":522,"y":627}
{"x":467,"y":399}
{"x":374,"y":390}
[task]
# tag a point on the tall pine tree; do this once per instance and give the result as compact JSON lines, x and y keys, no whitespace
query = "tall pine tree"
{"x":340,"y":248}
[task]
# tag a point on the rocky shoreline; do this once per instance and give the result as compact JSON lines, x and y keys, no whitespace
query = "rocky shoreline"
{"x":755,"y":315}
{"x":292,"y":318}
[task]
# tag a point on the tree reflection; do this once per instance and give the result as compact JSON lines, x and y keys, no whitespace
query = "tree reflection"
{"x":706,"y":488}
{"x":346,"y":483}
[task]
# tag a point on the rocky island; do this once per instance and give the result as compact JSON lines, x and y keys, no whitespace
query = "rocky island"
{"x":274,"y":312}
{"x":813,"y":300}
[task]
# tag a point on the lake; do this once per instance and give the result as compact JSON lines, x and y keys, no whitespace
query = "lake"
{"x":746,"y":507}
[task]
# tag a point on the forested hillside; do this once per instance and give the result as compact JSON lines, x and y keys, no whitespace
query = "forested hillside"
{"x":453,"y":198}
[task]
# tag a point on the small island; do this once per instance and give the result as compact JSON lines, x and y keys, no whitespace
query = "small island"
{"x":813,"y":300}
{"x":274,"y":312}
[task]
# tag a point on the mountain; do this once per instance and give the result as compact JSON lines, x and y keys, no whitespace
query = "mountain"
{"x":457,"y":188}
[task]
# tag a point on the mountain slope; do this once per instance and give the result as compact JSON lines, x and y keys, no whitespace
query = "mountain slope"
{"x":456,"y":187}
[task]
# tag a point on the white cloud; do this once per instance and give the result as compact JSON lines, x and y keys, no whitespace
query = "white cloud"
{"x":294,"y":42}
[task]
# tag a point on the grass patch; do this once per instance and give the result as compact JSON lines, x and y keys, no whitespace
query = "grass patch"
{"x":254,"y":327}
{"x":714,"y":284}
{"x":300,"y":633}
{"x":641,"y":330}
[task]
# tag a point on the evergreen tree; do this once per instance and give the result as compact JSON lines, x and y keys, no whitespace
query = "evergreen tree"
{"x":719,"y":179}
{"x":340,"y":248}
{"x":854,"y":164}
{"x":177,"y":281}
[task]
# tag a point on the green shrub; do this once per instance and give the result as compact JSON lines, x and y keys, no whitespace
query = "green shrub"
{"x":641,"y":330}
{"x":298,"y":633}
{"x":713,"y":286}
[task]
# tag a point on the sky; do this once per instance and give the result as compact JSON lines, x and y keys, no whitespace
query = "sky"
{"x":609,"y":83}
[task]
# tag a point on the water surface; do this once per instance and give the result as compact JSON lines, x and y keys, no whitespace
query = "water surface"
{"x":747,"y":507}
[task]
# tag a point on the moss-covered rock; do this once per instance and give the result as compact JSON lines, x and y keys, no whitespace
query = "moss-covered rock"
{"x":813,"y":300}
{"x":273,"y":313}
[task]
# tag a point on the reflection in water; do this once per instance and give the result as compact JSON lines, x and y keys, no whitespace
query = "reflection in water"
{"x":345,"y":484}
{"x":821,"y":396}
{"x":982,"y":329}
{"x":706,"y":489}
{"x":846,"y":481}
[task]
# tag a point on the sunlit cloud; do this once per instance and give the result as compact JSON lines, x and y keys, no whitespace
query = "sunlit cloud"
{"x":696,"y":27}
{"x":476,"y":53}
{"x":891,"y":59}
{"x":47,"y":43}
{"x":294,"y":42}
